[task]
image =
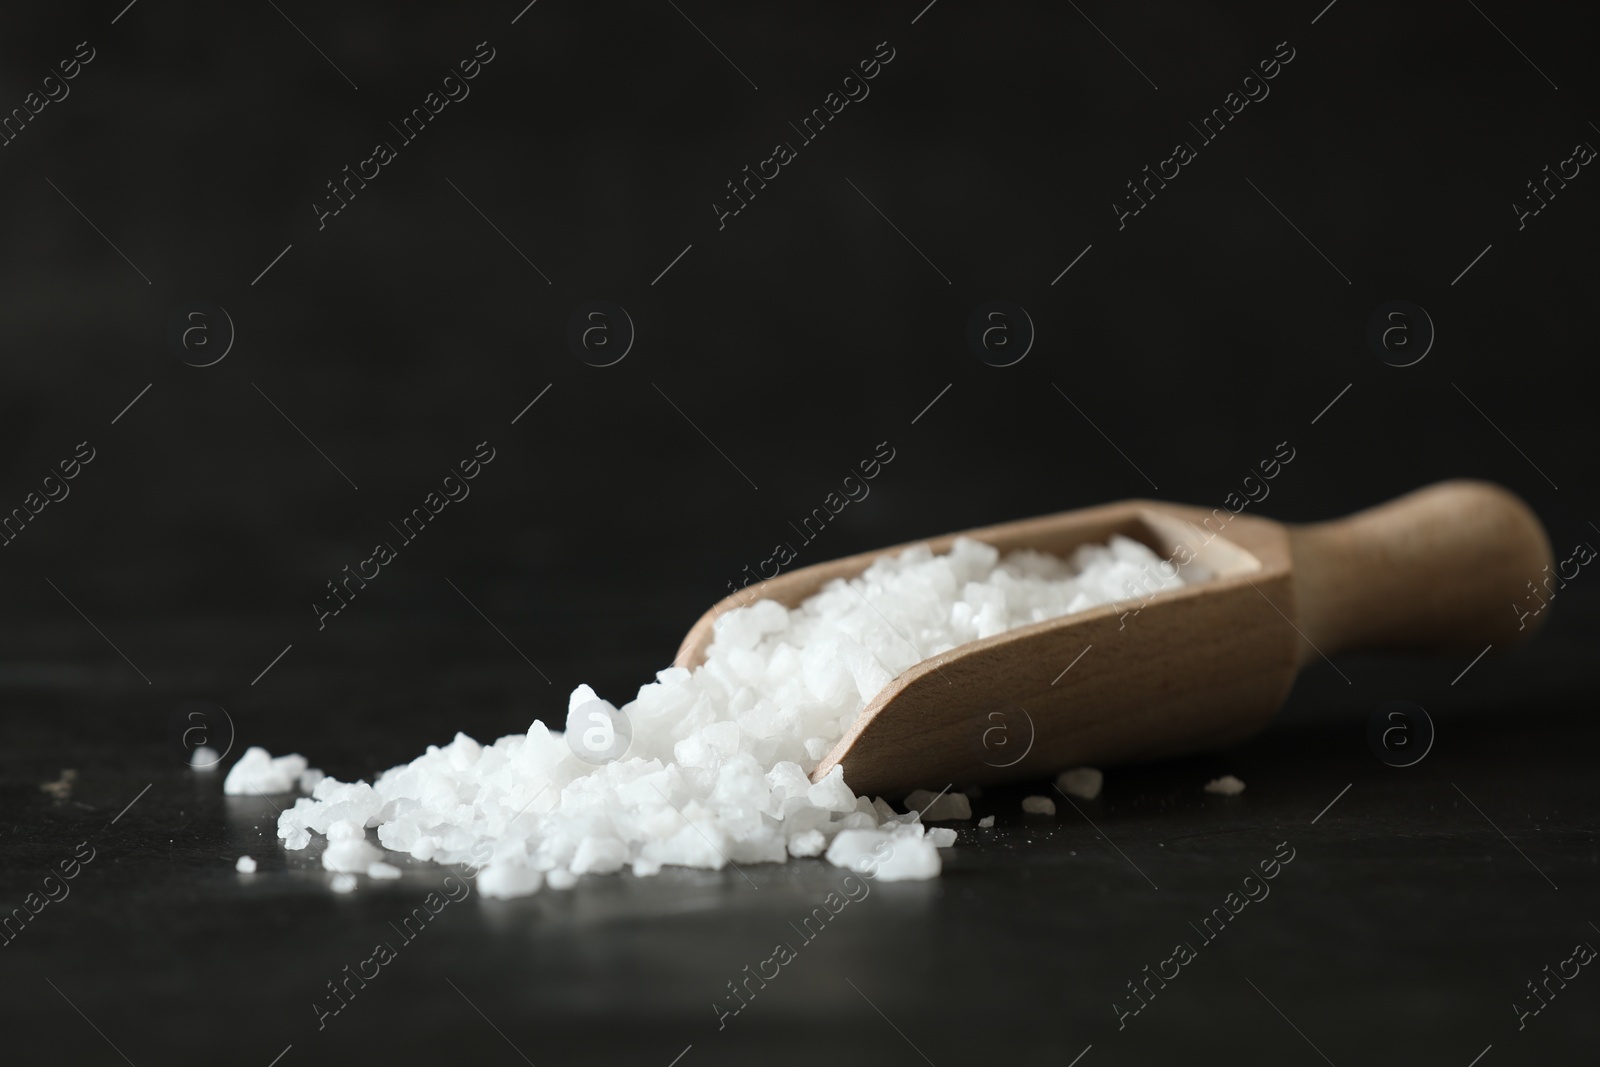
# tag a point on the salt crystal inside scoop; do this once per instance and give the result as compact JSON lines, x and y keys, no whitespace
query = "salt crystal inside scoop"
{"x":716,"y":769}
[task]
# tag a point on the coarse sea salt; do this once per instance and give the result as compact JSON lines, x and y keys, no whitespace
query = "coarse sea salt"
{"x":258,"y":773}
{"x":716,"y":770}
{"x":1227,"y":786}
{"x":1038,"y":805}
{"x":1081,"y":782}
{"x":937,"y":808}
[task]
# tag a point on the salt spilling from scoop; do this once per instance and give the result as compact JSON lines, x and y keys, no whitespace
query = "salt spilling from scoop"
{"x":709,"y":767}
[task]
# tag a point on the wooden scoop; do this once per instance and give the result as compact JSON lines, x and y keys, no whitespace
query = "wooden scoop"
{"x":1188,"y":669}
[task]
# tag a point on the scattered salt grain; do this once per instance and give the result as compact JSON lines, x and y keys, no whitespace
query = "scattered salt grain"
{"x":936,"y":808}
{"x":986,"y":822}
{"x":1038,"y":805}
{"x":1081,"y":782}
{"x":204,"y":758}
{"x":258,"y":773}
{"x":245,"y":865}
{"x":715,"y":761}
{"x":1226,"y":786}
{"x":343,"y":883}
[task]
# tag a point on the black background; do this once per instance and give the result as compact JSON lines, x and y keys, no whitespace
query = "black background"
{"x":188,"y":155}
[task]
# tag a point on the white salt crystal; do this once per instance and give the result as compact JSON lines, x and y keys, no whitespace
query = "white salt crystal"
{"x":900,"y":855}
{"x":204,"y":758}
{"x":905,"y":828}
{"x":245,"y":865}
{"x":1227,"y":786}
{"x":500,"y":880}
{"x":348,"y":848}
{"x":383,"y":870}
{"x":787,"y":780}
{"x":831,"y":794}
{"x":711,"y":765}
{"x":807,"y":843}
{"x":1038,"y":805}
{"x":941,"y":837}
{"x":854,"y":848}
{"x":936,"y":808}
{"x":911,"y":860}
{"x":599,"y":855}
{"x":346,"y":831}
{"x":986,"y":822}
{"x":1082,"y":782}
{"x":257,"y":773}
{"x":343,"y":883}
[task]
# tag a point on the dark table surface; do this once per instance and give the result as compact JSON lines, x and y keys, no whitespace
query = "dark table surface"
{"x":994,"y":160}
{"x":1418,"y":903}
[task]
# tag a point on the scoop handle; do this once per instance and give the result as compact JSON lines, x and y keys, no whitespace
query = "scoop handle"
{"x":1451,"y":566}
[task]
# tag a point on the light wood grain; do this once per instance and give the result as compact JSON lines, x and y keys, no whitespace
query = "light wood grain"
{"x":1437,"y":569}
{"x":1185,"y":670}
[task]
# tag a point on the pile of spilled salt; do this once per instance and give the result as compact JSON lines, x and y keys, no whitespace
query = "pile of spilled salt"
{"x":709,"y":767}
